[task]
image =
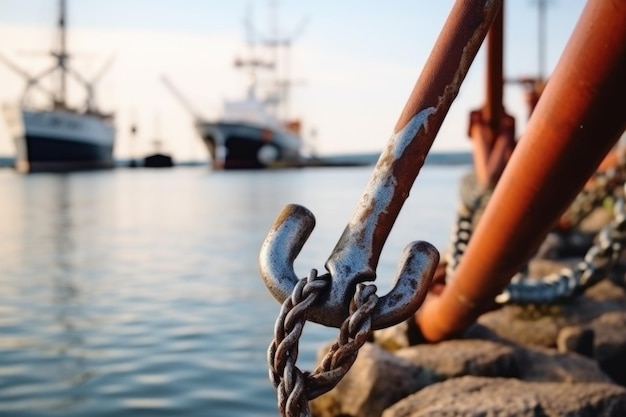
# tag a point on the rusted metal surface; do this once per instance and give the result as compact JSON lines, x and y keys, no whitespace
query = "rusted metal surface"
{"x":576,"y":122}
{"x":491,"y":129}
{"x":492,"y":111}
{"x":356,"y":255}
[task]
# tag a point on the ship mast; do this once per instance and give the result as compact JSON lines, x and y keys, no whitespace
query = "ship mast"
{"x":60,"y":71}
{"x":278,"y":43}
{"x":541,"y":37}
{"x":61,"y":56}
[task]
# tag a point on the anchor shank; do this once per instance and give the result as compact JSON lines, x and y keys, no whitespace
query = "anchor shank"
{"x":358,"y":250}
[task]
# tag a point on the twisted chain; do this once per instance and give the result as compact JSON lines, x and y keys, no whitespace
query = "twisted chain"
{"x":595,"y":266}
{"x":294,"y":387}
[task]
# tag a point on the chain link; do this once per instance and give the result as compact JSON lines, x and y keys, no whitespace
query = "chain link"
{"x":294,"y":387}
{"x":462,"y":231}
{"x":589,"y":198}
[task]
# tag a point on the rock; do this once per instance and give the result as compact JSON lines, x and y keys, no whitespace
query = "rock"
{"x":453,"y":358}
{"x":379,"y":378}
{"x":576,"y":339}
{"x":394,"y":337}
{"x":376,"y":380}
{"x":541,"y":364}
{"x":610,"y":344}
{"x":541,"y":325}
{"x":503,"y":397}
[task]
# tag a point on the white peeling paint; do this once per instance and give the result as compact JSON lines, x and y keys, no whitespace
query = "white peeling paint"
{"x":399,"y":141}
{"x":378,"y":195}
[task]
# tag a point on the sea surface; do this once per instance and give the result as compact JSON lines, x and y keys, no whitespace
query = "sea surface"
{"x":136,"y":292}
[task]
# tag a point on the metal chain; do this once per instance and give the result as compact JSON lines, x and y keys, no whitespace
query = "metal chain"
{"x":595,"y":266}
{"x":588,"y":199}
{"x":462,"y":231}
{"x":294,"y":387}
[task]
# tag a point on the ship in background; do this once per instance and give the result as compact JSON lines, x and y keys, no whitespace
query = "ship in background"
{"x":254,"y":132}
{"x":57,"y":137}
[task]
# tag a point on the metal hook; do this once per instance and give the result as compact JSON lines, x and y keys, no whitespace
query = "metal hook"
{"x":292,"y":228}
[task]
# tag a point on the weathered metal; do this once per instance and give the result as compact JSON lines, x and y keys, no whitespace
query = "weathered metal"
{"x":494,"y":82}
{"x":491,"y":129}
{"x":355,"y":257}
{"x":575,"y":124}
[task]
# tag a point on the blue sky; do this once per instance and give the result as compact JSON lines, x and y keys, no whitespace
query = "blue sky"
{"x":354,"y":62}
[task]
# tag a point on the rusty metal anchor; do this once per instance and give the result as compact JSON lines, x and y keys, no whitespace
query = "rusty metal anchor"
{"x":348,"y":303}
{"x":355,"y":257}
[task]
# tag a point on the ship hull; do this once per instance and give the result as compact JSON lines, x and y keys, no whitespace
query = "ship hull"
{"x":61,"y":140}
{"x":233,"y":145}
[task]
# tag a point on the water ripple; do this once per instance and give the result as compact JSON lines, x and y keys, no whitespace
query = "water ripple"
{"x":130,"y":293}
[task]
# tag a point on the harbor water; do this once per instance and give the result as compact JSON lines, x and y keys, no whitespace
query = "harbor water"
{"x":136,"y":292}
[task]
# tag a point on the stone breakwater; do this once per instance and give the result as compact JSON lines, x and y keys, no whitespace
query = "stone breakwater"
{"x":567,"y":359}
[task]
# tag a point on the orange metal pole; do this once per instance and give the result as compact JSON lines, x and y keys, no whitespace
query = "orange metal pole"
{"x":575,"y":124}
{"x":491,"y":130}
{"x":492,"y":111}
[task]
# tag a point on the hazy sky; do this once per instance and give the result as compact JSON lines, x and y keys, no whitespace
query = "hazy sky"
{"x":353,"y":62}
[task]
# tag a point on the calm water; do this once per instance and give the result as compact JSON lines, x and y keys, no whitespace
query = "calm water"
{"x":137,"y":292}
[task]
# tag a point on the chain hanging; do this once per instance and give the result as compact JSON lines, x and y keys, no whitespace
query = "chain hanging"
{"x":294,"y":387}
{"x":595,"y":266}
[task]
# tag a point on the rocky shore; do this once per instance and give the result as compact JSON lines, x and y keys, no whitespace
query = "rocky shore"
{"x":565,"y":359}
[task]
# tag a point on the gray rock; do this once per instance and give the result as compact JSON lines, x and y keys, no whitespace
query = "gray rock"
{"x":610,"y":344}
{"x":507,"y":397}
{"x":376,"y":380}
{"x":379,"y":378}
{"x":541,"y":325}
{"x":541,"y":364}
{"x":455,"y":358}
{"x":576,"y":339}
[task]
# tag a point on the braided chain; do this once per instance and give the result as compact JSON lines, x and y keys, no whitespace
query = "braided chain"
{"x":294,"y":387}
{"x":595,"y":266}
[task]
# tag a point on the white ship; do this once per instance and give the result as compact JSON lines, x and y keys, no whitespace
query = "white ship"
{"x":248,"y":136}
{"x":254,"y":132}
{"x":58,"y":137}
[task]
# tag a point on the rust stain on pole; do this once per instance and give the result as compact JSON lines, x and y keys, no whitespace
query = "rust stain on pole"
{"x":575,"y":124}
